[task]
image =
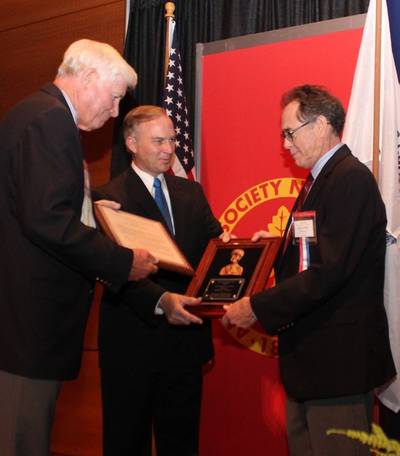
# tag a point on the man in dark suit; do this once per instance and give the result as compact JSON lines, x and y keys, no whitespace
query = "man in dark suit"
{"x":327,"y":305}
{"x":51,"y":252}
{"x":151,"y":371}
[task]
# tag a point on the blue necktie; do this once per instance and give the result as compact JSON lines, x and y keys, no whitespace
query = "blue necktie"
{"x":162,"y":203}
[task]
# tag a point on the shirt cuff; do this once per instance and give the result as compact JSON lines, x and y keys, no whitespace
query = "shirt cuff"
{"x":158,"y":310}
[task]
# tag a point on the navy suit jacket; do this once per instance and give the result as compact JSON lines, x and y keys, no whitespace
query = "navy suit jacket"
{"x":333,"y":334}
{"x":49,"y":259}
{"x":129,"y":332}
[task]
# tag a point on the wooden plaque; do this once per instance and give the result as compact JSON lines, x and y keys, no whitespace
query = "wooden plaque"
{"x":136,"y":232}
{"x":230,"y":271}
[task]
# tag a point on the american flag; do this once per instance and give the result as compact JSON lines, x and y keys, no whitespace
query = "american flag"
{"x":174,"y":102}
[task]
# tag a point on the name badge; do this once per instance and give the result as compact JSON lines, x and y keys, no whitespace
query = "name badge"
{"x":304,"y":226}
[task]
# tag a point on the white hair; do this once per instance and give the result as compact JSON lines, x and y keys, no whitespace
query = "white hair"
{"x":102,"y":57}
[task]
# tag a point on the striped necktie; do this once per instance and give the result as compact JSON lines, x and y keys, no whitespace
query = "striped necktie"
{"x":304,"y":192}
{"x":297,"y":207}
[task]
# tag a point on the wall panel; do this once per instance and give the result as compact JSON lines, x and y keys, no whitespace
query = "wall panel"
{"x":34,"y":50}
{"x":16,"y":13}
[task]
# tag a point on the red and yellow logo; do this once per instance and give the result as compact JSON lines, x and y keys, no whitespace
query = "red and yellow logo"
{"x":255,"y":338}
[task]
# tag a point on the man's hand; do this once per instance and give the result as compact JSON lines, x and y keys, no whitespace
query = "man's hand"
{"x":143,"y":264}
{"x":173,"y":305}
{"x":239,"y":313}
{"x":108,"y":203}
{"x":226,"y":236}
{"x":261,"y":234}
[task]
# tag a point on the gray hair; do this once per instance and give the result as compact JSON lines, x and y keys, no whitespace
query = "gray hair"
{"x":314,"y":101}
{"x":102,"y":57}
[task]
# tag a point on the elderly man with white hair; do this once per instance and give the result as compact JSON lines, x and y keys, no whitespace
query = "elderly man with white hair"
{"x":51,"y":251}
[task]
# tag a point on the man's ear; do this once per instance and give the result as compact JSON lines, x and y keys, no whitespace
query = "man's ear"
{"x":130,"y":143}
{"x":322,"y":124}
{"x":88,"y":75}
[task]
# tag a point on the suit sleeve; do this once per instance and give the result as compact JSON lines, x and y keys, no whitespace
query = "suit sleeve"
{"x":211,"y":225}
{"x":140,"y":296}
{"x":47,"y":168}
{"x":349,"y":230}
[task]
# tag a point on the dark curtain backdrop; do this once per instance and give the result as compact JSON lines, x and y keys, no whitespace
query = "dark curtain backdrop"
{"x":202,"y":21}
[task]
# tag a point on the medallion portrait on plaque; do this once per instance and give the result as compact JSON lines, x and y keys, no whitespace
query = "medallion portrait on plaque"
{"x":229,"y":271}
{"x":234,"y":268}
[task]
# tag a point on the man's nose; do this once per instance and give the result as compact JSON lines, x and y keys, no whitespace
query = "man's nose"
{"x":169,"y":147}
{"x":287,"y":144}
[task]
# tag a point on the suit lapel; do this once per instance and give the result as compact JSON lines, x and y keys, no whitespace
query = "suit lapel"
{"x":176,"y":197}
{"x":139,"y":200}
{"x":76,"y":152}
{"x":312,"y":197}
{"x":326,"y":171}
{"x":54,"y":91}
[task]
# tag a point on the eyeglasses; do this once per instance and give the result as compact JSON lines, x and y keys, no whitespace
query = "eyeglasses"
{"x":289,"y":134}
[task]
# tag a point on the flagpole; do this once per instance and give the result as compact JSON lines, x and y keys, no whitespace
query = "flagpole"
{"x":169,"y":14}
{"x":377,"y":89}
{"x":377,"y":111}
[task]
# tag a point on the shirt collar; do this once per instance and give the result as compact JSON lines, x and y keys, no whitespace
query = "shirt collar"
{"x":71,"y":107}
{"x":317,"y":168}
{"x":148,"y":179}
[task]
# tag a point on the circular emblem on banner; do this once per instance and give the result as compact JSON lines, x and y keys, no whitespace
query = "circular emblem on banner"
{"x":255,"y":338}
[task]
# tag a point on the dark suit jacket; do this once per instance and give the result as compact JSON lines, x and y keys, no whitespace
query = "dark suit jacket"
{"x":130,"y":334}
{"x":330,"y":318}
{"x":49,"y":259}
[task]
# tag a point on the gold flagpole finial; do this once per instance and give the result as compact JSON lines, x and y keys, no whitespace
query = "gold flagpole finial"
{"x":169,"y":16}
{"x":169,"y":9}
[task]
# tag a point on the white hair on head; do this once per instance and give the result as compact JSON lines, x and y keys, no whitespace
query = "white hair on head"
{"x":102,"y":57}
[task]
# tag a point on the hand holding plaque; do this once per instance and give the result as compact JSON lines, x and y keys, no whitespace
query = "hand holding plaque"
{"x":229,"y":271}
{"x":135,"y":232}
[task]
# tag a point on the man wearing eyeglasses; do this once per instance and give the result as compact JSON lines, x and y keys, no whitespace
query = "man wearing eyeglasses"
{"x":327,"y":306}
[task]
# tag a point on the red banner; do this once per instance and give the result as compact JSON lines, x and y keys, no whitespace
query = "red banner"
{"x":251,"y":184}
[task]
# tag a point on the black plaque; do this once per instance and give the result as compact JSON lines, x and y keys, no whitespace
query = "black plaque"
{"x":223,"y":289}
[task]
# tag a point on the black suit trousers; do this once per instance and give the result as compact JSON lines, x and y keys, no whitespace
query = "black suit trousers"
{"x":137,"y":401}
